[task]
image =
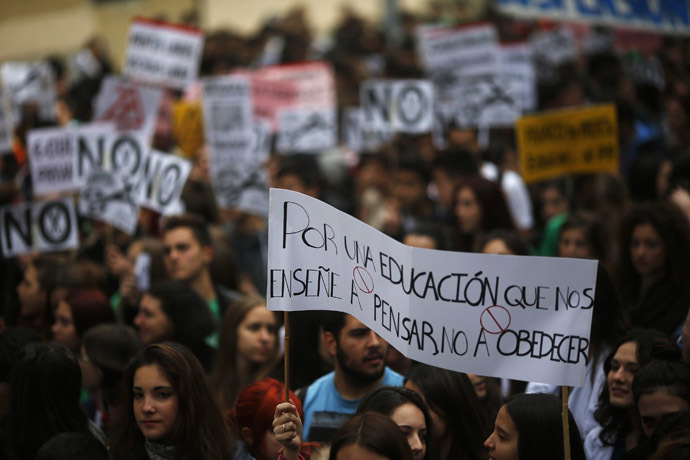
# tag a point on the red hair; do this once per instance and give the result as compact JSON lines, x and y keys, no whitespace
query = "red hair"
{"x":254,"y":409}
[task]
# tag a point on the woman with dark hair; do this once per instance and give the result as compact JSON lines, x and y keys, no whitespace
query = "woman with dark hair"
{"x":408,"y":410}
{"x":619,"y":425}
{"x":167,"y":410}
{"x":370,"y":435}
{"x":45,"y":386}
{"x":505,"y":242}
{"x":253,"y":417}
{"x":248,"y":348}
{"x":655,"y":267}
{"x":80,"y":310}
{"x":34,"y":292}
{"x":480,"y":207}
{"x":105,"y":351}
{"x":529,"y":427}
{"x":458,"y":418}
{"x":172,"y":311}
{"x":583,"y":236}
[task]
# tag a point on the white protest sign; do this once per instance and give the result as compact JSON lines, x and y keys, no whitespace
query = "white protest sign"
{"x":163,"y":54}
{"x":304,"y":130}
{"x":645,"y":70}
{"x":107,"y":197}
{"x":492,"y":100}
{"x":398,"y":105}
{"x":242,"y":186}
{"x":525,"y":318}
{"x":554,"y":47}
{"x":142,"y":271}
{"x":29,"y":82}
{"x":6,"y":125}
{"x":131,"y":107}
{"x":53,"y":151}
{"x":518,"y":60}
{"x":39,"y":226}
{"x":162,"y":181}
{"x":122,"y":153}
{"x":260,"y":141}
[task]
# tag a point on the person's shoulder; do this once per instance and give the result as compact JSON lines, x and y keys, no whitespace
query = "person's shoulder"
{"x":594,"y":448}
{"x":392,"y":378}
{"x":321,"y":383}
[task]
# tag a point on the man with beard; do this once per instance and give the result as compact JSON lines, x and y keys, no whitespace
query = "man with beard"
{"x":359,"y":365}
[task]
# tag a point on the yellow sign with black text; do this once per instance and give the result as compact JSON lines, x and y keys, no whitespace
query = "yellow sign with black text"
{"x":188,"y":129}
{"x":570,"y":141}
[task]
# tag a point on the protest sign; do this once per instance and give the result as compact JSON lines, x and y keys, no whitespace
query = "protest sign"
{"x":582,"y":140}
{"x":52,"y":153}
{"x":554,"y":47}
{"x":644,"y":70}
{"x":131,"y":107}
{"x":491,"y":100}
{"x":162,"y":181}
{"x":662,"y":16}
{"x":163,"y":54}
{"x":6,"y":125}
{"x":398,"y":105}
{"x":242,"y":186}
{"x":142,"y":271}
{"x":359,"y":136}
{"x":305,"y":130}
{"x":187,"y":127}
{"x":39,"y":226}
{"x":29,"y":82}
{"x":108,"y":197}
{"x":525,"y":318}
{"x":517,"y":60}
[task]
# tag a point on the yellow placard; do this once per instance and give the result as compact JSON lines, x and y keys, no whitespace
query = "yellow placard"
{"x":188,"y":129}
{"x":572,"y":141}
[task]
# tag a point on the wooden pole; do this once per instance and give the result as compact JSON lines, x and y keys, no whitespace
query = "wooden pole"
{"x":566,"y":424}
{"x":286,"y":318}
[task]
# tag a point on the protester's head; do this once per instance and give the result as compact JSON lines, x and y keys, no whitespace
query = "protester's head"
{"x":448,"y":170}
{"x":80,"y":310}
{"x":253,"y":416}
{"x":359,"y":353}
{"x":187,"y":248}
{"x":425,"y":235}
{"x":34,"y":292}
{"x":106,"y":349}
{"x":299,"y":173}
{"x":72,"y":446}
{"x":662,"y":387}
{"x":45,"y":386}
{"x":458,"y":417}
{"x":370,"y":435}
{"x":529,"y":427}
{"x":481,"y":207}
{"x":506,"y":242}
{"x":670,"y":439}
{"x":409,"y":411}
{"x":248,"y":347}
{"x":166,"y":401}
{"x":655,"y":242}
{"x":172,"y":310}
{"x":583,"y":236}
{"x":553,"y":199}
{"x":409,"y":183}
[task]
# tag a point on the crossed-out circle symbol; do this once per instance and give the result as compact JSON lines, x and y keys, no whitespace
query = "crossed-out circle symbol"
{"x":363,"y":280}
{"x":495,"y":319}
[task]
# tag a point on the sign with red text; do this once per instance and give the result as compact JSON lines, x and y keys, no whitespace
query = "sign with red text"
{"x":525,"y":318}
{"x":163,"y":54}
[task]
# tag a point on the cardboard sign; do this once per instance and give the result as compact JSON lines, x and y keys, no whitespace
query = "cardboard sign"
{"x":304,"y":130}
{"x":188,"y":128}
{"x":583,"y":140}
{"x":163,"y":179}
{"x":663,"y":16}
{"x":29,"y":82}
{"x":6,"y":125}
{"x":39,"y":226}
{"x":163,"y":54}
{"x":242,"y":186}
{"x":525,"y":318}
{"x":398,"y":105}
{"x":129,"y":106}
{"x":53,"y":152}
{"x":107,"y":197}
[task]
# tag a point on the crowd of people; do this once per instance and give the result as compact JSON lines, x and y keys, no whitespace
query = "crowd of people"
{"x":98,"y":361}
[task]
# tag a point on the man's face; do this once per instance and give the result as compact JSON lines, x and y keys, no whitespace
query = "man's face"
{"x":409,"y":189}
{"x":185,"y":258}
{"x":360,"y":351}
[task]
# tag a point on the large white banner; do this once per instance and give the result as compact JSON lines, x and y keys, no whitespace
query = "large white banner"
{"x":163,"y":54}
{"x":525,"y":318}
{"x":29,"y":82}
{"x":39,"y":226}
{"x":661,"y":15}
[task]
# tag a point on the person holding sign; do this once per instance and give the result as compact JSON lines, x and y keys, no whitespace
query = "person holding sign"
{"x":370,"y":436}
{"x":529,"y":427}
{"x":359,"y":367}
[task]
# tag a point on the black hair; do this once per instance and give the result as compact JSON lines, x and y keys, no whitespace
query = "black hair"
{"x":674,"y":427}
{"x":193,"y":222}
{"x":512,"y":239}
{"x":457,"y":163}
{"x":72,"y":446}
{"x":333,"y":322}
{"x":374,"y":432}
{"x":673,"y":376}
{"x":11,"y":341}
{"x":537,"y":417}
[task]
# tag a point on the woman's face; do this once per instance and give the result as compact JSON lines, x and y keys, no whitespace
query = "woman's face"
{"x":647,"y":250}
{"x":411,"y":421}
{"x":440,"y":425}
{"x":155,"y":403}
{"x":479,"y":384}
{"x":256,"y":335}
{"x":502,"y":444}
{"x":497,"y":246}
{"x":624,"y":367}
{"x":467,"y":211}
{"x":553,"y":203}
{"x":63,"y":329}
{"x":154,"y":325}
{"x":31,"y":297}
{"x":573,"y":243}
